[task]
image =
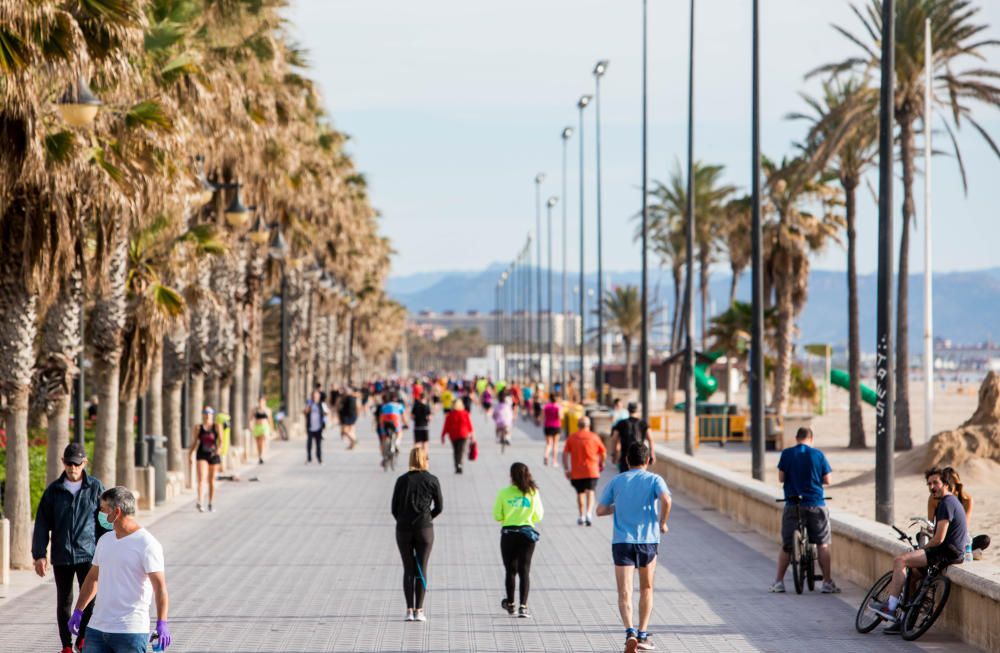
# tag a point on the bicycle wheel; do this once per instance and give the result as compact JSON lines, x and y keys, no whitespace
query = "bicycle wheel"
{"x":283,"y":431}
{"x":809,"y":567}
{"x":797,"y":557}
{"x":866,"y":620}
{"x":926,"y":608}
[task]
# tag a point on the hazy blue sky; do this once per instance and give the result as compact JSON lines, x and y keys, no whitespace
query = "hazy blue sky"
{"x":454,"y":105}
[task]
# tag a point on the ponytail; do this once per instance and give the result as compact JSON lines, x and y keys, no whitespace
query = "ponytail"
{"x":520,"y":476}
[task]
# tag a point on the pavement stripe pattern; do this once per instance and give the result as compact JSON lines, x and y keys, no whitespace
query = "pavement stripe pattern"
{"x":304,"y":560}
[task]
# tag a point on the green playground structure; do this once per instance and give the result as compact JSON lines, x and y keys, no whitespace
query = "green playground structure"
{"x":842,"y":379}
{"x":705,"y":384}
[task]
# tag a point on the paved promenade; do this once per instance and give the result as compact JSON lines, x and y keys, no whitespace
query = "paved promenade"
{"x":304,"y":560}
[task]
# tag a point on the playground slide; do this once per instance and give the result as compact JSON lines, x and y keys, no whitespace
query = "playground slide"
{"x":705,"y":384}
{"x":843,"y":379}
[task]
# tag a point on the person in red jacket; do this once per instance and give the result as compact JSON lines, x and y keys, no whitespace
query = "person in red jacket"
{"x":458,"y":427}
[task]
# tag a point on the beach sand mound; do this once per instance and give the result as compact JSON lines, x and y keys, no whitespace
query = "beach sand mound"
{"x":978,"y":439}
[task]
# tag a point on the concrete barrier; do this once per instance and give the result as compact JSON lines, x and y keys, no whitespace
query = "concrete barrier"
{"x":4,"y":552}
{"x":862,"y":549}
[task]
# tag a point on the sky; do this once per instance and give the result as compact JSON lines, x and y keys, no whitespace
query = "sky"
{"x":453,"y":106}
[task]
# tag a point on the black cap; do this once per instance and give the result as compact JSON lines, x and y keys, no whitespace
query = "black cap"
{"x":74,"y":453}
{"x":633,"y":407}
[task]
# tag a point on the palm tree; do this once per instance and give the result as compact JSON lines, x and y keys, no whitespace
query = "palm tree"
{"x":730,"y":333}
{"x":623,"y":313}
{"x":736,"y":239}
{"x":844,"y":131}
{"x":791,"y":234}
{"x":959,"y":81}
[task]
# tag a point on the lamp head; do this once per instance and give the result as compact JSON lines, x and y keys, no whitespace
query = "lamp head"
{"x":584,"y":101}
{"x":566,"y":133}
{"x":601,"y":68}
{"x":540,"y":177}
{"x":78,"y":107}
{"x":553,"y":201}
{"x":278,"y":247}
{"x":237,"y":214}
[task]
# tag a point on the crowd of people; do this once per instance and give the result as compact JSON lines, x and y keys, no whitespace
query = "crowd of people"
{"x":87,"y":533}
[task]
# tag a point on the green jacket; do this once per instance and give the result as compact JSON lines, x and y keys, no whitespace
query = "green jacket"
{"x":514,"y":508}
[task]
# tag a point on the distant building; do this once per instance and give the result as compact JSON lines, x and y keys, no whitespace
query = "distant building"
{"x":507,"y":329}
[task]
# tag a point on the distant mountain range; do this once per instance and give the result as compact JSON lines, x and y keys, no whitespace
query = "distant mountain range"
{"x":966,"y":304}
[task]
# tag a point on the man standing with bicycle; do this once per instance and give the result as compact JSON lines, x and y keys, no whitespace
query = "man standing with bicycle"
{"x":946,"y":546}
{"x":804,"y":470}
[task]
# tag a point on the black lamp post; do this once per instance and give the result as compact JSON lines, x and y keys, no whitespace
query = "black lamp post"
{"x":689,"y":392}
{"x":550,"y":205}
{"x":581,"y":105}
{"x":757,"y":434}
{"x":278,"y":250}
{"x":599,"y":70}
{"x":644,"y":344}
{"x":539,"y":178}
{"x":567,"y":132}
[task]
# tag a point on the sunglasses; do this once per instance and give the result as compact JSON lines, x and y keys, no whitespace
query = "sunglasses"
{"x":69,"y":464}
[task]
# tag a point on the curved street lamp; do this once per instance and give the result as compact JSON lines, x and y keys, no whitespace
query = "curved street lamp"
{"x":78,"y":106}
{"x":550,"y":205}
{"x":599,"y":70}
{"x":236,"y":213}
{"x":567,"y":132}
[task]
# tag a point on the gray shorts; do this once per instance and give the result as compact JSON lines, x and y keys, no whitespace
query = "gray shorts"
{"x":817,"y":520}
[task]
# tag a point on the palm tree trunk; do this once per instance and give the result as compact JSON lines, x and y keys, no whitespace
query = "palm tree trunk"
{"x":673,"y":371}
{"x":628,"y":362}
{"x":125,"y":471}
{"x":197,"y":392}
{"x":174,"y":371}
{"x":238,"y":408}
{"x":783,"y":365}
{"x":107,"y":321}
{"x":732,"y":286}
{"x":212,"y":384}
{"x":704,"y":264}
{"x":857,"y":439}
{"x":906,"y":146}
{"x":154,"y":396}
{"x":17,"y":340}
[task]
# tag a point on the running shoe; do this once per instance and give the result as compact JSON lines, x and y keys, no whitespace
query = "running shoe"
{"x":200,"y":508}
{"x":631,"y":641}
{"x":587,"y":521}
{"x":893,"y":629}
{"x":881,"y":608}
{"x":829,"y":588}
{"x":409,"y":615}
{"x":522,"y":612}
{"x":210,"y":508}
{"x":777,"y":588}
{"x":419,"y":616}
{"x":67,"y":649}
{"x":645,"y":643}
{"x":579,"y":521}
{"x":507,"y":605}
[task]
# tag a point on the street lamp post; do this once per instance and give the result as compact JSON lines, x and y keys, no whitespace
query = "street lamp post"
{"x":539,"y":178}
{"x":644,"y":345}
{"x":599,"y":70}
{"x":581,"y":105}
{"x":566,"y":133}
{"x":278,"y":250}
{"x":549,"y":206}
{"x":757,"y":273}
{"x":689,"y":394}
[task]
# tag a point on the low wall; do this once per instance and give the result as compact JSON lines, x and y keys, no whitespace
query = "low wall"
{"x":862,"y":549}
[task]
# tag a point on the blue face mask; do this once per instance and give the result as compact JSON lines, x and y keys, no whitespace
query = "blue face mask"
{"x":103,"y":521}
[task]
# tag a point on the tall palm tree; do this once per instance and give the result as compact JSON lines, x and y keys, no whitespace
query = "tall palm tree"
{"x":623,"y":313}
{"x":844,"y":131}
{"x":959,"y":83}
{"x":736,"y":239}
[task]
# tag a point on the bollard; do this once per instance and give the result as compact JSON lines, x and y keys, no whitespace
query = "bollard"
{"x":4,"y":552}
{"x":157,"y":457}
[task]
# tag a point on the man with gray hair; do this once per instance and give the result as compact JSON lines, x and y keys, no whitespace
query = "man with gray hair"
{"x":127,"y":571}
{"x":585,"y":450}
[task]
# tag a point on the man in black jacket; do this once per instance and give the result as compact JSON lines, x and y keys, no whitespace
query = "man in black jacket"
{"x":68,"y":510}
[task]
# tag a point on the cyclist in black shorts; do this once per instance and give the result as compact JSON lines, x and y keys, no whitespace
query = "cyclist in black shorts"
{"x":421,"y":414}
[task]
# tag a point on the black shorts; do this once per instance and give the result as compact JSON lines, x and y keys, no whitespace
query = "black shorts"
{"x":633,"y":555}
{"x":537,"y":409}
{"x":348,"y":420}
{"x":421,"y":434}
{"x":581,"y":485}
{"x":209,"y":457}
{"x":943,"y":555}
{"x":551,"y":431}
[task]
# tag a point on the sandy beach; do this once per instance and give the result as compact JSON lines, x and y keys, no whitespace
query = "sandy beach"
{"x":853,"y":486}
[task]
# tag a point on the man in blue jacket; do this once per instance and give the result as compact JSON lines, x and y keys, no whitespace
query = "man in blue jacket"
{"x":67,"y":514}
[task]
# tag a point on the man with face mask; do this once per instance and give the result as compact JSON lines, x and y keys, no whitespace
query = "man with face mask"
{"x":67,"y":514}
{"x":127,"y":571}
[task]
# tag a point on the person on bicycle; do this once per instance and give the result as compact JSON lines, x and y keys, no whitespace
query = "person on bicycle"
{"x":503,"y":416}
{"x":946,"y":547}
{"x":391,"y":419}
{"x":804,"y":470}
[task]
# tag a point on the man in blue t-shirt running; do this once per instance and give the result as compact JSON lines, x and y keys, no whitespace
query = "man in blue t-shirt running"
{"x":640,"y":503}
{"x":804,"y":470}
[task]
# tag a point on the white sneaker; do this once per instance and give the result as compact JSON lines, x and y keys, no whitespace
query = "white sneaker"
{"x":830,"y":588}
{"x":419,"y":616}
{"x":777,"y":588}
{"x":409,"y":615}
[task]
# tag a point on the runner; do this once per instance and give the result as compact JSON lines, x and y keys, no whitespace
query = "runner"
{"x":127,"y":572}
{"x":552,"y":426}
{"x":618,"y":412}
{"x":486,"y":399}
{"x":536,"y":406}
{"x":503,"y":417}
{"x":583,"y":457}
{"x":68,"y":510}
{"x":316,"y":413}
{"x":421,"y":414}
{"x":526,"y":393}
{"x":626,"y":433}
{"x":458,"y":428}
{"x":447,"y":399}
{"x":348,"y":415}
{"x":635,"y":498}
{"x":262,"y":426}
{"x":205,"y":450}
{"x":518,"y":507}
{"x":416,"y":501}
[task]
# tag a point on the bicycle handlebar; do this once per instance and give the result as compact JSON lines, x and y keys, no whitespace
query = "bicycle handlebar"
{"x":798,"y":499}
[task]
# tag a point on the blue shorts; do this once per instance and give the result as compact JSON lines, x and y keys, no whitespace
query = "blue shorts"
{"x":633,"y":555}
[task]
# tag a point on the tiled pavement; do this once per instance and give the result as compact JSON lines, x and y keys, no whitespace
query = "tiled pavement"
{"x":304,"y":560}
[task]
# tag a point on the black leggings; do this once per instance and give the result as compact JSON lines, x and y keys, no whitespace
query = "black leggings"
{"x":458,"y":450}
{"x":64,"y":598}
{"x":516,"y":550}
{"x":415,"y":546}
{"x":316,"y":436}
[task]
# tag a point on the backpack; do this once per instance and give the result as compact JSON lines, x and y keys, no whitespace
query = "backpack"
{"x":628,"y":432}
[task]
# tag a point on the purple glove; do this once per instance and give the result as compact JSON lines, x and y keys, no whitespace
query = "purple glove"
{"x":75,"y":621}
{"x":162,"y":634}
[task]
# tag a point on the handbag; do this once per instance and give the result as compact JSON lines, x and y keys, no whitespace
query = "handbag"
{"x":473,"y":450}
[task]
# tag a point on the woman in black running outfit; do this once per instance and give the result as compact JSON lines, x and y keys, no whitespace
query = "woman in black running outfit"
{"x":416,"y":501}
{"x":421,"y":414}
{"x":205,"y":449}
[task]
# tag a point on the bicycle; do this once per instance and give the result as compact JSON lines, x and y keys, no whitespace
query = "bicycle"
{"x":803,"y":555}
{"x":279,"y":419}
{"x":503,"y":437}
{"x":389,"y":448}
{"x":919,"y":606}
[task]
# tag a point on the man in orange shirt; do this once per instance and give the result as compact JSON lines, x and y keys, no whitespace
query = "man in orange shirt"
{"x":587,"y":452}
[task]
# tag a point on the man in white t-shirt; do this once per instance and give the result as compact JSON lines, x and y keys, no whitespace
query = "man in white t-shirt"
{"x":126,"y":572}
